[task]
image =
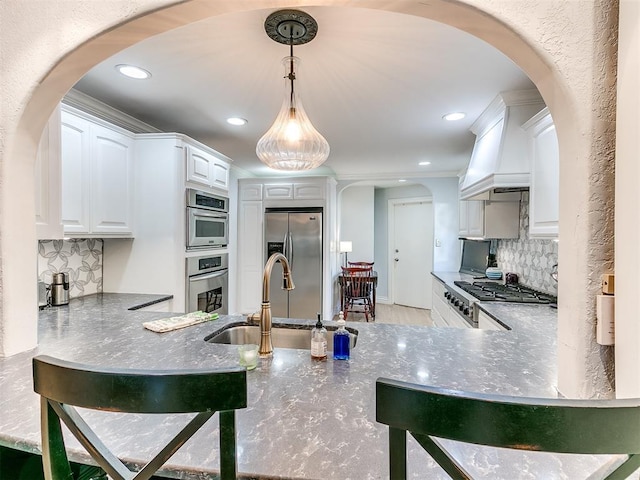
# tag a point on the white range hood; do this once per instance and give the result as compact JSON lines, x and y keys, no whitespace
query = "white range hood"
{"x":499,"y":162}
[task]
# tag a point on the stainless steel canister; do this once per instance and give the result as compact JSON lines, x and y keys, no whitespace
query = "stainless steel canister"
{"x":60,"y":289}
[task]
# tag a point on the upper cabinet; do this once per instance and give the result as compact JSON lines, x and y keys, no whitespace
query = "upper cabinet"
{"x":97,"y":169}
{"x":47,"y":179}
{"x":302,"y":190}
{"x":545,"y":176}
{"x":207,"y":167}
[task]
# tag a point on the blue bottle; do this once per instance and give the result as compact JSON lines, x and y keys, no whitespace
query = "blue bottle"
{"x":341,"y":341}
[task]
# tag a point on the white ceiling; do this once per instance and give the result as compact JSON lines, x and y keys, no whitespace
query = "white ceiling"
{"x":375,"y":84}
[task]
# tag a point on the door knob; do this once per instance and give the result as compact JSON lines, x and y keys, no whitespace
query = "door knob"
{"x":396,"y":259}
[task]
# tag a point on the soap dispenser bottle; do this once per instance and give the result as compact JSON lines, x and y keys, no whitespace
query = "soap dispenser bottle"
{"x":341,"y":341}
{"x":319,"y":341}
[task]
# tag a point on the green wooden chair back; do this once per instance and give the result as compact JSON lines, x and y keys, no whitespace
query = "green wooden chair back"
{"x":64,"y":385}
{"x":548,"y":425}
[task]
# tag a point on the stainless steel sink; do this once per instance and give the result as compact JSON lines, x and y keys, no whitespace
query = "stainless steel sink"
{"x":281,"y":337}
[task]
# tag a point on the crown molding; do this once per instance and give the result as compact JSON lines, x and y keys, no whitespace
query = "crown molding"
{"x":84,"y":102}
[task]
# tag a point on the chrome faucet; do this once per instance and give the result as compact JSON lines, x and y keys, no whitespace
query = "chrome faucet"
{"x":266,"y":347}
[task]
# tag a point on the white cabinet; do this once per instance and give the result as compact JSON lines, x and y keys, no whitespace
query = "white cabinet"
{"x":97,"y":185}
{"x":489,"y":219}
{"x":439,"y":307}
{"x":111,"y":182}
{"x":250,"y":247}
{"x":278,"y":192}
{"x":47,"y":181}
{"x":295,"y":191}
{"x":206,"y":167}
{"x":545,"y":176}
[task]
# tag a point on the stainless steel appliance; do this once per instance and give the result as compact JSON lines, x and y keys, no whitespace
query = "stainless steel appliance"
{"x":499,"y":292}
{"x":463,"y":297}
{"x":207,"y":220}
{"x":297,"y":234}
{"x":208,"y":283}
{"x":463,"y":306}
{"x":60,"y":289}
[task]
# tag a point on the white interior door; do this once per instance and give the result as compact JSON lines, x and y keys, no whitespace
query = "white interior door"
{"x":412,"y":253}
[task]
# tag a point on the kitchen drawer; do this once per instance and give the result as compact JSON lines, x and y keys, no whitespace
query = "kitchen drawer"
{"x":455,"y":320}
{"x":438,"y":288}
{"x":438,"y":305}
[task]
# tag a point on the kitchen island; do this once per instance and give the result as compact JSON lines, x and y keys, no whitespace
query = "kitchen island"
{"x":305,"y":419}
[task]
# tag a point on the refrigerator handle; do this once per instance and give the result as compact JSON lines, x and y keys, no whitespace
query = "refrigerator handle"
{"x":285,"y":249}
{"x":290,"y":257}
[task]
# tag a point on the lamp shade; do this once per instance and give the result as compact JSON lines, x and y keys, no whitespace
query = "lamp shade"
{"x":346,"y":247}
{"x":292,"y":143}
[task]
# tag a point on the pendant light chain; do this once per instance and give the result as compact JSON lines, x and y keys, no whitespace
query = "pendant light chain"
{"x":292,"y":74}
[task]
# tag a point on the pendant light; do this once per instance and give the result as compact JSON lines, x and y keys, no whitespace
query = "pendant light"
{"x":292,"y":143}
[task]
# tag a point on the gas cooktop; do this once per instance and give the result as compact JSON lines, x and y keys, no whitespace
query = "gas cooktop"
{"x":498,"y":292}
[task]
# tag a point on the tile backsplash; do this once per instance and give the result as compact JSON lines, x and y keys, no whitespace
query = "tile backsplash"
{"x":531,"y":259}
{"x":81,"y":259}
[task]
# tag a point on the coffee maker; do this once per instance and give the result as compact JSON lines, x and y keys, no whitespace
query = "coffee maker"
{"x":60,"y":289}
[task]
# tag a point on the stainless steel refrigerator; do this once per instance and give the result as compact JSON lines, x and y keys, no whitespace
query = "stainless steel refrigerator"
{"x":296,"y":233}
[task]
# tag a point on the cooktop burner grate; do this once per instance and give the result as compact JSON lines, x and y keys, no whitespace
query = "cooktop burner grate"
{"x":498,"y":292}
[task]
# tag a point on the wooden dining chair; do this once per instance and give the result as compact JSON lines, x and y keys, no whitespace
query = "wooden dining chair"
{"x":549,"y":425}
{"x":357,"y":285}
{"x":65,"y":385}
{"x":368,"y":265}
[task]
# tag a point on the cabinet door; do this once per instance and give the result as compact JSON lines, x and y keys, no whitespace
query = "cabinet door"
{"x":250,"y":246}
{"x":308,"y":191}
{"x":251,"y":191}
{"x":200,"y":166}
{"x":48,"y":181}
{"x":111,"y":186}
{"x":278,"y":192}
{"x":75,"y":152}
{"x":545,"y":179}
{"x":475,"y":218}
{"x":463,"y":227}
{"x":220,"y":176}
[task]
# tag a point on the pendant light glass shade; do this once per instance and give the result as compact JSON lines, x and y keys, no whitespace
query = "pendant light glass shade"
{"x":292,"y":143}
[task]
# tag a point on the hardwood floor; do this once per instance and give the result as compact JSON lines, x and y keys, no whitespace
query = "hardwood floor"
{"x":397,"y":315}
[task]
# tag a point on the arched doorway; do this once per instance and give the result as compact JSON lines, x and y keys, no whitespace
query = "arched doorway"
{"x":31,"y":99}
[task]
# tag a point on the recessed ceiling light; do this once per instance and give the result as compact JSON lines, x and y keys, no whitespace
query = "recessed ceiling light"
{"x":402,"y":180}
{"x":236,"y":121}
{"x":424,"y":163}
{"x":132,"y":71}
{"x":452,"y":117}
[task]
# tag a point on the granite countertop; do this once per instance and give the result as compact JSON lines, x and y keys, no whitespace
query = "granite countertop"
{"x":305,"y":419}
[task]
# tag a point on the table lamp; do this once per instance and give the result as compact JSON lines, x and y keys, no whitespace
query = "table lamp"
{"x":346,"y":247}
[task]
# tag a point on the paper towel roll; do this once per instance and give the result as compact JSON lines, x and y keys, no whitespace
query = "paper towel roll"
{"x":605,"y":325}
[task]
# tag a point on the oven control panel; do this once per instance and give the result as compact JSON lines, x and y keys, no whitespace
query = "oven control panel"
{"x":463,"y":306}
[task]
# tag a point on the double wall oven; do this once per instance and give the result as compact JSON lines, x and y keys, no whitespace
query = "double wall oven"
{"x":207,"y":274}
{"x":207,"y":220}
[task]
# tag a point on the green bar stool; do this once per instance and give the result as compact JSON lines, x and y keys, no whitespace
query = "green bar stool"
{"x":64,"y":385}
{"x":608,"y":427}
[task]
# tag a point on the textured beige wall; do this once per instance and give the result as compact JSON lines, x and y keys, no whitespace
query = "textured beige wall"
{"x":566,"y":47}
